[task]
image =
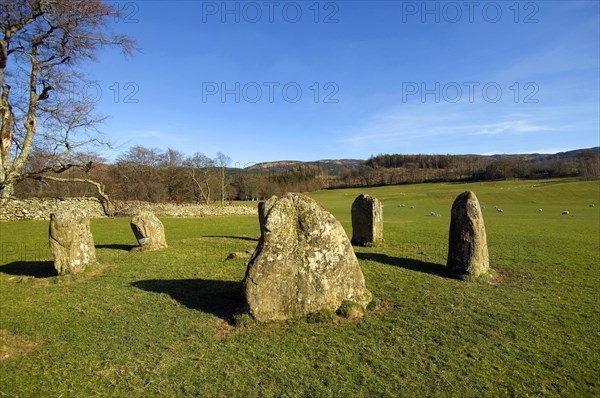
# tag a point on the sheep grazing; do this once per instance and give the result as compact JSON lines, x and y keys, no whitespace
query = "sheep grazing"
{"x":433,"y":213}
{"x":540,"y":210}
{"x":565,"y":213}
{"x":592,"y":205}
{"x":499,"y":210}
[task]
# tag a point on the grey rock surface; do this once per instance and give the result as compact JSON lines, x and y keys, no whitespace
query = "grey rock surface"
{"x":467,"y":242}
{"x":303,"y":263}
{"x":71,"y":241}
{"x":367,"y":220}
{"x":149,"y":231}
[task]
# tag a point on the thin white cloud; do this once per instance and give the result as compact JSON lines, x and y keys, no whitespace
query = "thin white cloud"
{"x":518,"y":126}
{"x":425,"y":122}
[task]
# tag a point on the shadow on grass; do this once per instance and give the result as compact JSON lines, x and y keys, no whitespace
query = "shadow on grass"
{"x":233,"y":237}
{"x":116,"y":247}
{"x":36,"y":269}
{"x":406,"y":263}
{"x":220,"y":298}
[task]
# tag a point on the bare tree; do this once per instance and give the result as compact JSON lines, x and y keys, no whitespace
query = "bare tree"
{"x":139,"y":170}
{"x":200,"y":170}
{"x":222,"y":161}
{"x":588,"y":163}
{"x":143,"y":156}
{"x":173,"y":174}
{"x":41,"y":44}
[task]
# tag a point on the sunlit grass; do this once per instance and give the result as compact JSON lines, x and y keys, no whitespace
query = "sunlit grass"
{"x":159,"y":324}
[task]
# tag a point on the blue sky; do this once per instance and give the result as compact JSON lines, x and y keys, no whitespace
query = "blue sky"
{"x":306,"y":80}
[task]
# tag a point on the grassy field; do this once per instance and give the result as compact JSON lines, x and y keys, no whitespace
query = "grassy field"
{"x":157,"y":324}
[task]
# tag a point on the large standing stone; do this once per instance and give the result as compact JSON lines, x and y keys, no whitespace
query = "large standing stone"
{"x":467,"y":243}
{"x":149,"y":231}
{"x":367,"y":220}
{"x":303,"y":263}
{"x":71,"y":242}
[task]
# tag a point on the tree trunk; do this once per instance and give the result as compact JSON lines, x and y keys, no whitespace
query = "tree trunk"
{"x":206,"y":194}
{"x":6,"y":131}
{"x":222,"y":185}
{"x":7,"y":191}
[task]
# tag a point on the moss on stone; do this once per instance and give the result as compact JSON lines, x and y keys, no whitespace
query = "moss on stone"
{"x":324,"y":315}
{"x":350,"y":310}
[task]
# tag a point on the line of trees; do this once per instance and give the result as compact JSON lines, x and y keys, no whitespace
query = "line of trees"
{"x":153,"y":175}
{"x":403,"y":169}
{"x":588,"y":164}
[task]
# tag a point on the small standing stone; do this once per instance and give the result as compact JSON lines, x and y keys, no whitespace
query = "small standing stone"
{"x":467,"y":243}
{"x":71,"y":242}
{"x":149,"y":231}
{"x":367,"y":220}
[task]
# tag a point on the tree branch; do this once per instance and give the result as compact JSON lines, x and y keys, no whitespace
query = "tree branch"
{"x":104,"y":199}
{"x":57,"y":169}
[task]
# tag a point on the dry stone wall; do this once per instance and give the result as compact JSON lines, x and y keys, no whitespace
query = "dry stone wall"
{"x":40,"y":209}
{"x":129,"y":209}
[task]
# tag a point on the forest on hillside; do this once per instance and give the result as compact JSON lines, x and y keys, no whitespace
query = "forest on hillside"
{"x":155,"y":175}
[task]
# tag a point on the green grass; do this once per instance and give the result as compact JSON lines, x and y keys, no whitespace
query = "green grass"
{"x":160,"y":324}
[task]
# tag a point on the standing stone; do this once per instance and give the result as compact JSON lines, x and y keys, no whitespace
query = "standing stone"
{"x":303,"y":263}
{"x":367,"y":220}
{"x":71,"y":242}
{"x":467,"y":244}
{"x":149,"y":231}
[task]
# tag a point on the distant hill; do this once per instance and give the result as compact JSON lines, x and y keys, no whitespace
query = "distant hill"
{"x":569,"y":155}
{"x":334,"y":166}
